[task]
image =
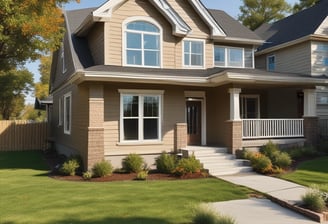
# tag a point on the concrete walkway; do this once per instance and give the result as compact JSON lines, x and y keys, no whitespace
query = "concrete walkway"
{"x":263,"y":210}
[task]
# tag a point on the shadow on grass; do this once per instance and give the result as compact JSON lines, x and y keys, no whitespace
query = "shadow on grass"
{"x":112,"y":220}
{"x":23,"y":160}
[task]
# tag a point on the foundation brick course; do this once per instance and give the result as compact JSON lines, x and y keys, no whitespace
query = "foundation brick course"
{"x":233,"y":136}
{"x":311,"y":130}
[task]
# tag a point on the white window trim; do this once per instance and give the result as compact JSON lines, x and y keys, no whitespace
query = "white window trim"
{"x":141,"y":93}
{"x":267,"y":62}
{"x":250,"y":96}
{"x":60,"y":111}
{"x":226,"y":56}
{"x":124,"y":47}
{"x":183,"y":54}
{"x":62,"y":56}
{"x":68,"y":131}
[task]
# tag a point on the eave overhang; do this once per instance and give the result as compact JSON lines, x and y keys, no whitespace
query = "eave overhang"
{"x":217,"y":79}
{"x":312,"y":37}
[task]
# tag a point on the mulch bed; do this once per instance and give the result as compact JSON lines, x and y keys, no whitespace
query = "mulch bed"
{"x":53,"y":160}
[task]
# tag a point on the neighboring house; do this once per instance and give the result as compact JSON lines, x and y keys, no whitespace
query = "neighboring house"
{"x":298,"y":44}
{"x":146,"y":76}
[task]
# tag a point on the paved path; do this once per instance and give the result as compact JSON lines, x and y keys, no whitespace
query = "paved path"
{"x":259,"y":211}
{"x":263,"y":211}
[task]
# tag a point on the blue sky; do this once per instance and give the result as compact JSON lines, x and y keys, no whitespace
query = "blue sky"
{"x":229,"y":6}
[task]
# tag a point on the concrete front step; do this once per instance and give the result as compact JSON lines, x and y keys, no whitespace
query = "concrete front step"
{"x":217,"y":161}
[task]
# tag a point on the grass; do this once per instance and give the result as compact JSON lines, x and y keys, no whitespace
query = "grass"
{"x":28,"y":195}
{"x":311,"y":172}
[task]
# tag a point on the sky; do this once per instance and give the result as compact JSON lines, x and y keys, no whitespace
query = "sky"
{"x":229,"y":6}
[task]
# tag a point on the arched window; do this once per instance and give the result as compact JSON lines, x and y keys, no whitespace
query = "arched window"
{"x":142,"y":44}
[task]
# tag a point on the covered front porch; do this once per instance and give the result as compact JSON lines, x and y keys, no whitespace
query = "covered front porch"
{"x":279,"y":117}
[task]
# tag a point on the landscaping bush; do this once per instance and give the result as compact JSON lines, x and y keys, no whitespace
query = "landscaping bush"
{"x":204,"y":214}
{"x":69,"y":167}
{"x":133,"y":163}
{"x":87,"y":175}
{"x":187,"y":166}
{"x":281,"y":160}
{"x":302,"y":152}
{"x":101,"y":169}
{"x":270,"y":150}
{"x":314,"y":200}
{"x":142,"y":175}
{"x":261,"y":163}
{"x":166,"y":163}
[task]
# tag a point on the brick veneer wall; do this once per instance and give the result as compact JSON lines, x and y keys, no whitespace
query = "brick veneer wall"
{"x":180,"y":136}
{"x":311,"y":130}
{"x":233,"y":139}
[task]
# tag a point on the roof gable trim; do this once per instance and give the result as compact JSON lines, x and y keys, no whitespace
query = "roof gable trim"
{"x":216,"y":30}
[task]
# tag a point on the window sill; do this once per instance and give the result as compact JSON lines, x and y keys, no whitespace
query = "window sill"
{"x":135,"y":143}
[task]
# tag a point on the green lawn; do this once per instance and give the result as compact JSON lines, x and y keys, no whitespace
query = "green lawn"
{"x":311,"y":172}
{"x":28,"y":195}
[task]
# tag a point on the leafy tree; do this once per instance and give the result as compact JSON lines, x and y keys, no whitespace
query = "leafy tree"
{"x":256,"y":12}
{"x":28,"y":29}
{"x":304,"y":4}
{"x":42,"y":87}
{"x":15,"y":84}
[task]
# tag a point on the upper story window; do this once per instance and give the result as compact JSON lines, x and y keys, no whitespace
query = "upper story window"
{"x":142,"y":44}
{"x":320,"y":58}
{"x":193,"y":53}
{"x":271,"y":63}
{"x":233,"y":57}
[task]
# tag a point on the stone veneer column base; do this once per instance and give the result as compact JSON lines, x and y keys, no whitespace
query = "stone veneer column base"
{"x":180,"y":136}
{"x":311,"y":130}
{"x":233,"y":135}
{"x":95,"y":146}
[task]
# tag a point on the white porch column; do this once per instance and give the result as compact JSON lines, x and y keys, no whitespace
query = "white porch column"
{"x":310,"y":104}
{"x":234,"y":104}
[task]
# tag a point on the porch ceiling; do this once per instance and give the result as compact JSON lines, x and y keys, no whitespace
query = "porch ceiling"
{"x":205,"y":77}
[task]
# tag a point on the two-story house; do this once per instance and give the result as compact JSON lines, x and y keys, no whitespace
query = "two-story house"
{"x":146,"y":76}
{"x":298,"y":44}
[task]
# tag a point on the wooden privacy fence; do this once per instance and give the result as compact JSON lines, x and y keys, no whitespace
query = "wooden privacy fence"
{"x":23,"y":135}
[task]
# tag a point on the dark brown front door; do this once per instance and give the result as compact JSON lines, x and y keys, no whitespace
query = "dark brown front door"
{"x":194,"y":123}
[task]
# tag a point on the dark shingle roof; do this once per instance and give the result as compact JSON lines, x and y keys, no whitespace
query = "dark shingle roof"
{"x":293,"y":27}
{"x":232,"y":27}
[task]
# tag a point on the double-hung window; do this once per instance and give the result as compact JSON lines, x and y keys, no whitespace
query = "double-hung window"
{"x":67,"y":113}
{"x":193,"y":53}
{"x":233,"y":57}
{"x":271,"y":63}
{"x":141,"y":116}
{"x":142,"y":44}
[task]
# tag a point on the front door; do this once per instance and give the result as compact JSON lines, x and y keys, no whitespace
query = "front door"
{"x":194,"y":122}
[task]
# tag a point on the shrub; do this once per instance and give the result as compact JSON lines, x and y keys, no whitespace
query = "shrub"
{"x":166,"y":163}
{"x":188,"y":165}
{"x":270,"y":149}
{"x":204,"y":214}
{"x":313,"y":200}
{"x":281,"y":160}
{"x":102,"y":169}
{"x":87,"y":175}
{"x":69,"y":167}
{"x":133,"y":163}
{"x":142,"y":175}
{"x":261,"y":163}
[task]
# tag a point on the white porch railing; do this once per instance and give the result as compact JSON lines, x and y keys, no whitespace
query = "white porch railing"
{"x":272,"y":128}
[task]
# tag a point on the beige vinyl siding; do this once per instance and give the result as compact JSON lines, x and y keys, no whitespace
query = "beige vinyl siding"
{"x":96,"y":43}
{"x":190,"y":16}
{"x":172,"y":47}
{"x":173,"y":108}
{"x":261,"y":62}
{"x":114,"y":33}
{"x":76,"y":142}
{"x":323,"y":28}
{"x":294,"y":59}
